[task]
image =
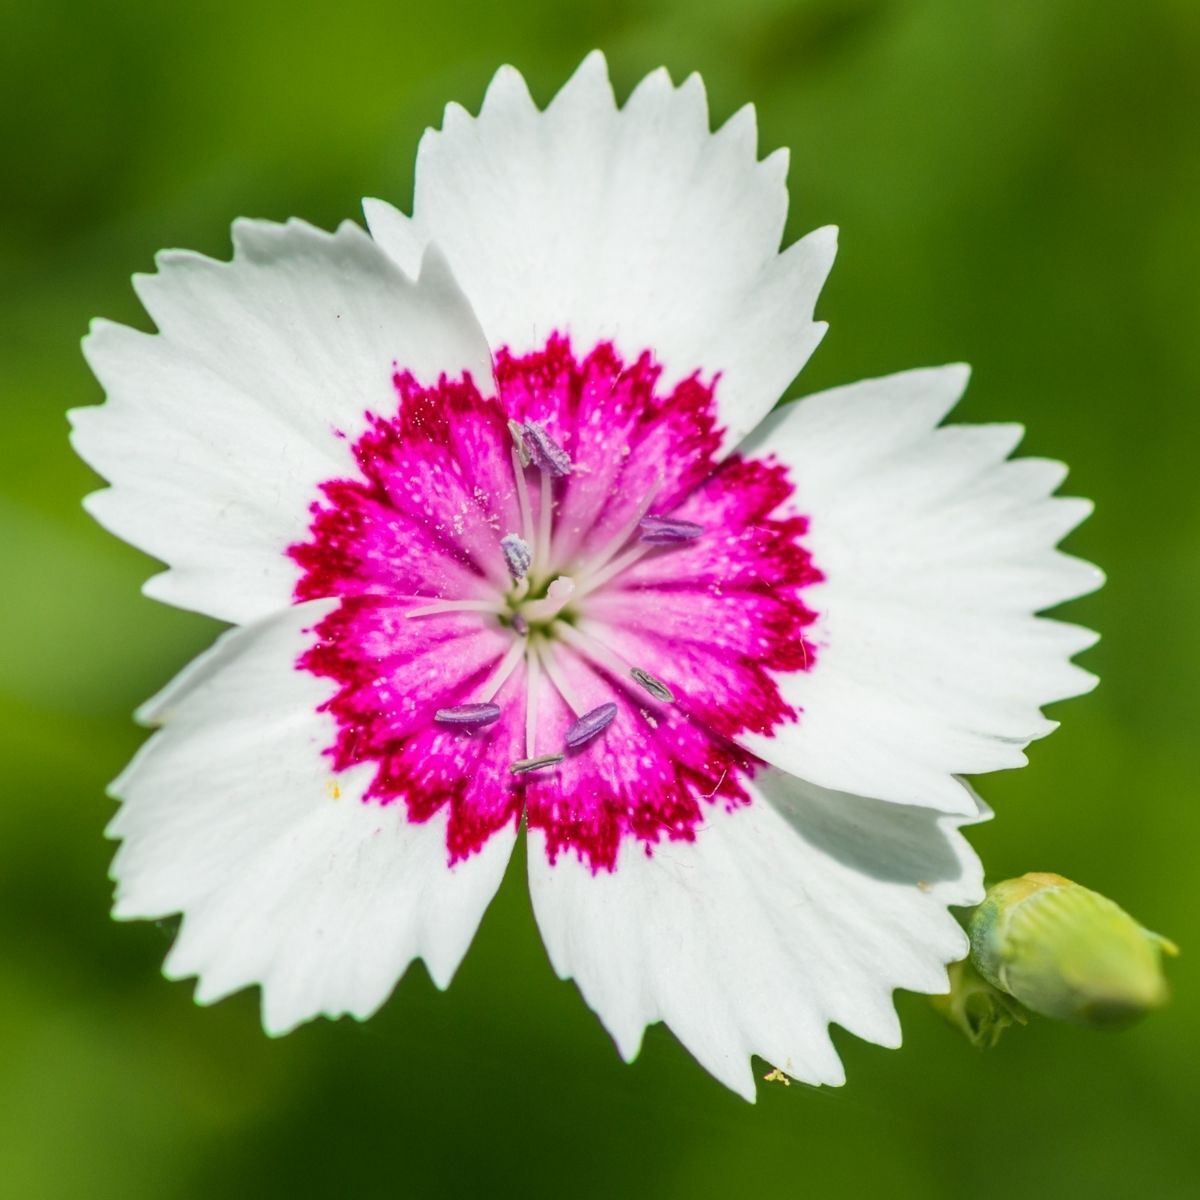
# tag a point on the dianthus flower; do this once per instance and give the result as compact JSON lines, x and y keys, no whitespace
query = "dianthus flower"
{"x":509,"y":533}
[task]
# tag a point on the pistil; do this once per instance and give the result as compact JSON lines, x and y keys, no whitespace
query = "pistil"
{"x":558,"y":596}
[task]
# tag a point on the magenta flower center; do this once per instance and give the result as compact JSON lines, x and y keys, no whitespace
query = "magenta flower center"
{"x":556,"y":600}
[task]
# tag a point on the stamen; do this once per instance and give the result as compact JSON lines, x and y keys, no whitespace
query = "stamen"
{"x":590,"y":724}
{"x":522,"y":494}
{"x":666,"y":531}
{"x":517,"y":555}
{"x":468,"y":714}
{"x":524,"y":765}
{"x":548,"y":653}
{"x":545,"y":529}
{"x":623,"y":536}
{"x":615,"y":567}
{"x":518,"y":436}
{"x":453,"y":606}
{"x":598,"y":651}
{"x":545,"y":453}
{"x":508,"y":664}
{"x":655,"y":687}
{"x":520,"y":626}
{"x":533,"y":688}
{"x":589,"y":647}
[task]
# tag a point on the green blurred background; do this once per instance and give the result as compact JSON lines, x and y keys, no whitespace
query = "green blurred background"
{"x":1018,"y":185}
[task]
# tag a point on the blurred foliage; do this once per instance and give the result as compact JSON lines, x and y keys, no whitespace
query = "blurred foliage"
{"x":1018,"y":185}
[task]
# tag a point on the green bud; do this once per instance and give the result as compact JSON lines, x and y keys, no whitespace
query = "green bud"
{"x":1067,"y":952}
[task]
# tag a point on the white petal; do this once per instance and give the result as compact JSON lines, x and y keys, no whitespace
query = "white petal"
{"x":218,"y":429}
{"x":284,"y":876}
{"x":936,"y":553}
{"x":807,"y":907}
{"x":636,"y":225}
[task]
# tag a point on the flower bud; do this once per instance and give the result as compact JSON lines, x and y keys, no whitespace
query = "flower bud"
{"x":1067,"y":952}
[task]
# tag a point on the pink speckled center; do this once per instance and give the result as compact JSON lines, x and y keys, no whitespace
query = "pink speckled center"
{"x":715,"y":619}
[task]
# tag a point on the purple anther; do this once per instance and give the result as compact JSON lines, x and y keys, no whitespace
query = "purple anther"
{"x":524,"y":765}
{"x":517,"y":555}
{"x":468,"y":714}
{"x":520,"y":626}
{"x":590,"y":724}
{"x":547,"y":455}
{"x":655,"y":687}
{"x":666,"y":531}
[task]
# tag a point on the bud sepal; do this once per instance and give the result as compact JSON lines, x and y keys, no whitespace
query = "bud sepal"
{"x":979,"y":1011}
